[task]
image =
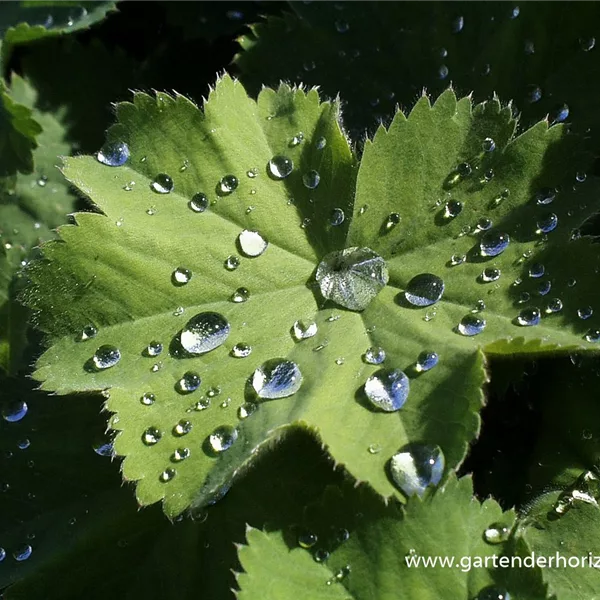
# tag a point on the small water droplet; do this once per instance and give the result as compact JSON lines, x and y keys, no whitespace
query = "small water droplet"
{"x":277,"y":378}
{"x":113,"y":154}
{"x":154,"y":348}
{"x":151,"y":436}
{"x":555,"y":305}
{"x":587,"y":44}
{"x":490,"y":274}
{"x":471,"y":325}
{"x":167,"y":475}
{"x":232,"y":263}
{"x":180,"y":454}
{"x":424,"y":290}
{"x":182,"y":428}
{"x":545,"y":196}
{"x":416,"y":467}
{"x":572,"y":282}
{"x":493,"y":243}
{"x":544,"y":288}
{"x":457,"y":259}
{"x":202,"y":404}
{"x":14,"y":411}
{"x":240,"y":295}
{"x":537,"y":270}
{"x":88,"y":332}
{"x":302,"y":330}
{"x":341,"y":26}
{"x":241,"y":350}
{"x":452,"y":209}
{"x":247,"y":409}
{"x":336,"y":217}
{"x":178,"y":311}
{"x":199,"y":203}
{"x":106,"y":356}
{"x":391,"y":221}
{"x":497,"y":533}
{"x":251,"y":243}
{"x":561,"y":113}
{"x":387,"y":389}
{"x":228,"y":184}
{"x":374,"y":448}
{"x":307,"y":539}
{"x":189,"y":382}
{"x":374,"y":355}
{"x":426,"y":361}
{"x":321,"y":555}
{"x":222,"y":438}
{"x":311,"y":179}
{"x":204,"y":332}
{"x":484,"y":224}
{"x":529,"y":317}
{"x":103,"y":448}
{"x":320,"y":143}
{"x":162,"y":184}
{"x":296,"y":140}
{"x":593,"y":335}
{"x":23,"y":552}
{"x":458,"y":24}
{"x":488,"y":145}
{"x":339,"y":575}
{"x":534,"y":93}
{"x":585,"y":312}
{"x":23,"y":444}
{"x":252,"y":173}
{"x":148,"y":399}
{"x":279,"y":167}
{"x":181,"y":276}
{"x":547,"y":223}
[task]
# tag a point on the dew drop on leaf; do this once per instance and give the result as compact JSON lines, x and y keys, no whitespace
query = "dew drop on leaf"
{"x":105,"y":357}
{"x":537,"y":270}
{"x":544,"y":288}
{"x":181,"y":276}
{"x":416,"y":467}
{"x":148,"y":399}
{"x":88,"y":332}
{"x":180,"y":454}
{"x":321,"y":555}
{"x":484,"y":224}
{"x":452,"y":209}
{"x":228,"y":184}
{"x":320,"y":143}
{"x":251,"y":243}
{"x":493,"y":243}
{"x":154,"y":348}
{"x":246,"y":410}
{"x":204,"y":332}
{"x":547,"y":223}
{"x":162,"y":184}
{"x":424,"y":290}
{"x":103,"y":448}
{"x":280,"y":167}
{"x":189,"y":382}
{"x":151,"y":436}
{"x":14,"y":411}
{"x":199,"y":203}
{"x":241,"y":350}
{"x":276,"y":378}
{"x":391,"y":221}
{"x":529,"y":317}
{"x":561,"y":113}
{"x":374,"y":355}
{"x":307,"y":539}
{"x":374,"y":448}
{"x":471,"y":325}
{"x":426,"y":361}
{"x":387,"y":389}
{"x":593,"y":335}
{"x":22,"y":552}
{"x":232,"y":263}
{"x":457,"y":259}
{"x":296,"y":140}
{"x":488,"y":145}
{"x":240,"y":295}
{"x":336,"y":217}
{"x":545,"y":196}
{"x":113,"y":154}
{"x":167,"y":475}
{"x":497,"y":533}
{"x":493,"y":593}
{"x":311,"y":179}
{"x":555,"y":305}
{"x":352,"y":277}
{"x":534,"y":93}
{"x":302,"y":330}
{"x":585,"y":312}
{"x":222,"y":438}
{"x":490,"y":274}
{"x":182,"y":428}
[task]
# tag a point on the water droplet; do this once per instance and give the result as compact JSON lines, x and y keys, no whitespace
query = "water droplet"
{"x":23,"y":444}
{"x":537,"y":270}
{"x":424,"y":290}
{"x":488,"y":145}
{"x":240,"y":295}
{"x":493,"y":243}
{"x":232,"y":263}
{"x":337,"y":217}
{"x":587,"y":44}
{"x":426,"y":361}
{"x":339,"y":575}
{"x":321,"y":555}
{"x":493,"y":593}
{"x":251,"y":243}
{"x":113,"y":154}
{"x":178,"y":311}
{"x":544,"y":287}
{"x":167,"y":475}
{"x":457,"y":24}
{"x":311,"y":179}
{"x":524,"y":297}
{"x":545,"y":196}
{"x":228,"y":184}
{"x":464,"y":169}
{"x":490,"y":274}
{"x":529,"y":317}
{"x":387,"y":389}
{"x":247,"y":409}
{"x":202,"y":404}
{"x":42,"y":180}
{"x":105,"y":357}
{"x":182,"y":428}
{"x":585,"y":312}
{"x":279,"y":167}
{"x":307,"y":539}
{"x":180,"y":454}
{"x":162,"y":184}
{"x":241,"y":350}
{"x":391,"y":221}
{"x":340,"y":361}
{"x":302,"y":330}
{"x":593,"y":335}
{"x":181,"y":276}
{"x":555,"y":305}
{"x":561,"y":113}
{"x":204,"y":332}
{"x":320,"y":143}
{"x":484,"y":224}
{"x":148,"y":399}
{"x":352,"y":277}
{"x":151,"y":436}
{"x":189,"y":382}
{"x":452,"y":209}
{"x":497,"y":533}
{"x":341,"y":26}
{"x":457,"y":259}
{"x":547,"y":223}
{"x":222,"y":438}
{"x":374,"y":355}
{"x":471,"y":325}
{"x":572,"y":282}
{"x":23,"y":552}
{"x":296,"y":140}
{"x":277,"y":378}
{"x":416,"y":467}
{"x":199,"y":203}
{"x":103,"y":448}
{"x":500,"y":198}
{"x":2,"y":554}
{"x":252,"y":173}
{"x":443,"y":72}
{"x":154,"y":348}
{"x":88,"y":332}
{"x":534,"y":93}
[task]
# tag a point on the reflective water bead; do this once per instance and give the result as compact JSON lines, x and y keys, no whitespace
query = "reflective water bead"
{"x":561,"y":113}
{"x":391,"y":221}
{"x":572,"y":282}
{"x":339,"y":575}
{"x":151,"y":436}
{"x":493,"y":593}
{"x":296,"y":140}
{"x":529,"y":317}
{"x":374,"y":355}
{"x":232,"y":263}
{"x":311,"y":179}
{"x":2,"y":554}
{"x":352,"y":277}
{"x":457,"y":259}
{"x":307,"y":539}
{"x":337,"y":217}
{"x":544,"y":288}
{"x":240,"y":295}
{"x":247,"y":409}
{"x":228,"y":184}
{"x":593,"y":335}
{"x":88,"y":332}
{"x":484,"y":224}
{"x":587,"y":44}
{"x":204,"y":332}
{"x":189,"y":382}
{"x":416,"y":467}
{"x":162,"y":184}
{"x":222,"y":438}
{"x":585,"y":312}
{"x":452,"y":209}
{"x":426,"y":361}
{"x":302,"y":330}
{"x":424,"y":290}
{"x":537,"y":270}
{"x":545,"y":196}
{"x":182,"y":428}
{"x":321,"y":555}
{"x":148,"y":399}
{"x":12,"y":412}
{"x":555,"y":305}
{"x":276,"y":378}
{"x":443,"y":72}
{"x":279,"y":167}
{"x":199,"y":203}
{"x":501,"y":197}
{"x":534,"y":93}
{"x":251,"y":243}
{"x":488,"y":145}
{"x":387,"y":389}
{"x":202,"y":404}
{"x":497,"y":533}
{"x":105,"y":357}
{"x":180,"y":454}
{"x":320,"y":143}
{"x":493,"y":243}
{"x":341,"y":26}
{"x":524,"y":297}
{"x":113,"y":154}
{"x":490,"y":274}
{"x":471,"y":325}
{"x":464,"y":169}
{"x":154,"y":348}
{"x":181,"y":276}
{"x":547,"y":223}
{"x":23,"y":552}
{"x":241,"y":350}
{"x":23,"y":444}
{"x":167,"y":475}
{"x":457,"y":24}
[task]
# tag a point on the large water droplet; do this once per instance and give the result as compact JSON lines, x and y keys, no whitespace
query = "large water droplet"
{"x":302,"y":330}
{"x":471,"y":325}
{"x":151,"y":436}
{"x":424,"y":289}
{"x":180,"y":454}
{"x":497,"y":533}
{"x":199,"y":203}
{"x":547,"y":223}
{"x":374,"y":355}
{"x":279,"y":167}
{"x":204,"y":332}
{"x":105,"y":357}
{"x":416,"y":467}
{"x":529,"y":317}
{"x":251,"y":243}
{"x":228,"y":184}
{"x":307,"y":539}
{"x":181,"y":276}
{"x":426,"y":361}
{"x":537,"y":270}
{"x":162,"y":184}
{"x":352,"y":277}
{"x":387,"y":389}
{"x":23,"y":552}
{"x":277,"y":378}
{"x":311,"y":179}
{"x":493,"y":243}
{"x":490,"y":274}
{"x":222,"y":438}
{"x":189,"y":382}
{"x":14,"y":411}
{"x":113,"y":154}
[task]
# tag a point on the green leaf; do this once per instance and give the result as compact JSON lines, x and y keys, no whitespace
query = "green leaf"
{"x":115,"y":271}
{"x":447,"y":524}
